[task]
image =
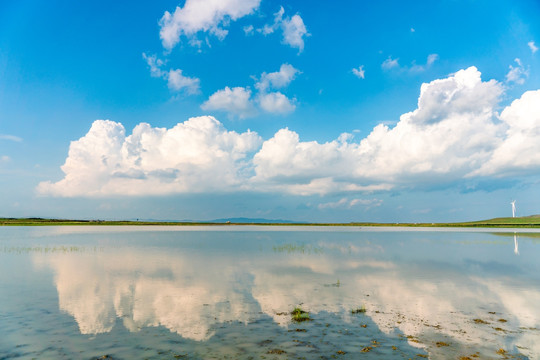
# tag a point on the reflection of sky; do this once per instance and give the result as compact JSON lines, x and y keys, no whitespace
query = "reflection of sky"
{"x":186,"y":294}
{"x":415,"y":283}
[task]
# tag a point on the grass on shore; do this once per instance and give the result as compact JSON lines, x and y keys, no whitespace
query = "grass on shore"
{"x":521,"y":222}
{"x":46,"y":222}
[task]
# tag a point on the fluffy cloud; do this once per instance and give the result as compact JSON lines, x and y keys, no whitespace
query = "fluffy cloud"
{"x":276,"y":102}
{"x":154,"y":64}
{"x":517,"y":74}
{"x":238,"y":101}
{"x":455,"y":133}
{"x":431,"y":59}
{"x":196,"y":15}
{"x":532,"y":46}
{"x":414,"y":68}
{"x":278,"y":79}
{"x":197,"y":155}
{"x":450,"y":134}
{"x":359,"y":72}
{"x":248,"y":30}
{"x":518,"y":150}
{"x":235,"y":101}
{"x":176,"y":81}
{"x":390,"y":63}
{"x":294,"y":29}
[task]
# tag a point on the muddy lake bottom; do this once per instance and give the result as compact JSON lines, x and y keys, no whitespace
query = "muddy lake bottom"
{"x":228,"y":293}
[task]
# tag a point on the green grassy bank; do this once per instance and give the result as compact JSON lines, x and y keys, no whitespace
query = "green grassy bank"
{"x":520,"y":222}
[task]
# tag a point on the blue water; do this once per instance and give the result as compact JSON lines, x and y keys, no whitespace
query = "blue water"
{"x":227,"y":292}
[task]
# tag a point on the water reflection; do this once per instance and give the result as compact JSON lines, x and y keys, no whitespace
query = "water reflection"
{"x":430,"y":288}
{"x":186,"y":294}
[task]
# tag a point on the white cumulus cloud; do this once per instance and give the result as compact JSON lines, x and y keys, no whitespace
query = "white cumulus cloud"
{"x":236,"y":101}
{"x":450,"y":134}
{"x":248,"y":30}
{"x":293,"y":28}
{"x":414,"y":67}
{"x":176,"y":81}
{"x":196,"y":155}
{"x":276,"y":102}
{"x":390,"y":63}
{"x":209,"y":16}
{"x":455,"y":133}
{"x":517,"y":74}
{"x":532,"y":46}
{"x":431,"y":59}
{"x":294,"y":31}
{"x":154,"y":64}
{"x":360,"y":73}
{"x":519,"y":149}
{"x":278,"y":79}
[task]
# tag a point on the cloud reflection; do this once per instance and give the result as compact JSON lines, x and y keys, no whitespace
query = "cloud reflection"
{"x":191,"y":292}
{"x":184,"y":294}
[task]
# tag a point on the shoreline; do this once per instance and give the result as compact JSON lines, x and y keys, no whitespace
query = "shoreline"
{"x":523,"y":222}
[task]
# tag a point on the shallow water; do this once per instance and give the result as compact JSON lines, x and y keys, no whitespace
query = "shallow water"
{"x":227,"y":292}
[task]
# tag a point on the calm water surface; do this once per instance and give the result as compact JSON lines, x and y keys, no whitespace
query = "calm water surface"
{"x":227,"y":292}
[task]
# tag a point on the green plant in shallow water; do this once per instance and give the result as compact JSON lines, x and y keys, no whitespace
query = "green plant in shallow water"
{"x":360,"y":310}
{"x":300,"y":315}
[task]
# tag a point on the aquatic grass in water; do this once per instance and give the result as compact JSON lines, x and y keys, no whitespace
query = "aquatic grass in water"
{"x":300,"y":315}
{"x":48,"y":249}
{"x":303,"y":249}
{"x":360,"y":310}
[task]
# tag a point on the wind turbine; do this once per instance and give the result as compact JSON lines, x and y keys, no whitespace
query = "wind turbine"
{"x":513,"y":203}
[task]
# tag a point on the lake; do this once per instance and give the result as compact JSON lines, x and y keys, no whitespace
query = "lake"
{"x":227,"y":292}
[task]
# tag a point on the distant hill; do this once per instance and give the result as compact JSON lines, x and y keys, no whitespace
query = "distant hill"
{"x":236,"y":220}
{"x":531,"y":220}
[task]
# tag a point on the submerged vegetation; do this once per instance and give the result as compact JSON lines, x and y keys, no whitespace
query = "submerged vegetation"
{"x":360,"y":310}
{"x":292,"y":248}
{"x":49,"y":249}
{"x":300,"y":315}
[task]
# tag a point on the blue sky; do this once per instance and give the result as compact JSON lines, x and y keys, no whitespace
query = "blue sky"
{"x":310,"y":111}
